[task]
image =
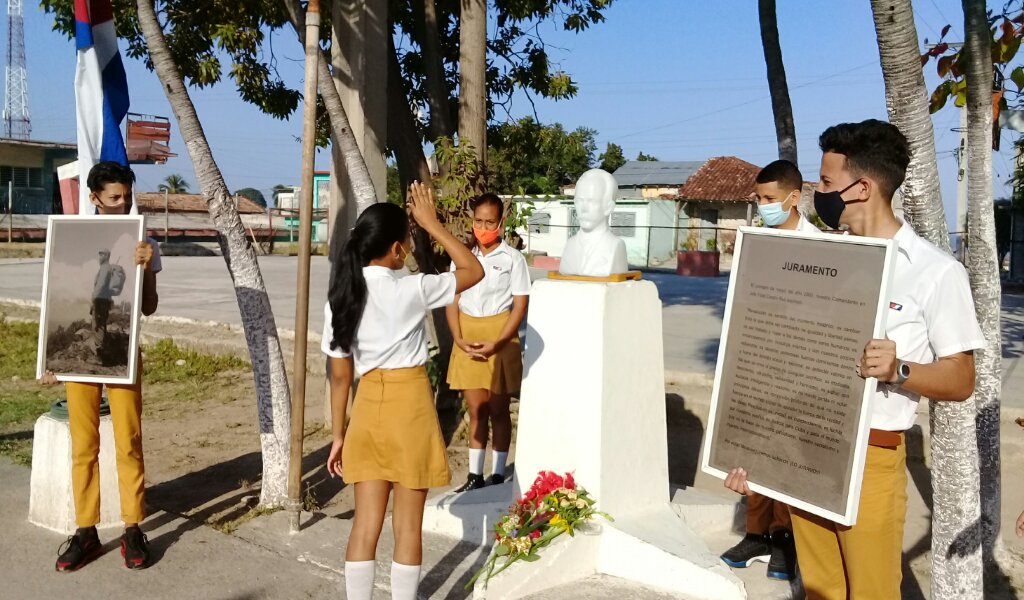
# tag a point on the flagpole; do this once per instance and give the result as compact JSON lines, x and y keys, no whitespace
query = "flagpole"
{"x":305,"y":241}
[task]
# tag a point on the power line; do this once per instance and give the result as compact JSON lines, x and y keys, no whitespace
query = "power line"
{"x":728,"y":108}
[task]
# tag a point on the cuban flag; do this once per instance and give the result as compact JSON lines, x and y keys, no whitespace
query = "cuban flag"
{"x":101,"y":93}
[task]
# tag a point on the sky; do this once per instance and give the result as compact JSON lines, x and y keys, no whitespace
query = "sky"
{"x":679,"y":79}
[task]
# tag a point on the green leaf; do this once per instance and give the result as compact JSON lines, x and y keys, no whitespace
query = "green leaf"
{"x":501,"y":550}
{"x":1017,"y":76}
{"x":531,"y":557}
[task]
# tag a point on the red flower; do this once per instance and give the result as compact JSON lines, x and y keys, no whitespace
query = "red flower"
{"x":569,"y":481}
{"x":534,"y":534}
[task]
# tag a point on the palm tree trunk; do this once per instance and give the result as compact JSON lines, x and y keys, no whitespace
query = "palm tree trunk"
{"x":982,"y":266}
{"x":906,"y":100}
{"x":272,"y":394}
{"x":473,"y":83}
{"x":782,"y":108}
{"x":956,"y":559}
{"x":359,"y":176}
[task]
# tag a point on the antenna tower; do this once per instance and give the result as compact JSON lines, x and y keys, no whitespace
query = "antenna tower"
{"x":17,"y":123}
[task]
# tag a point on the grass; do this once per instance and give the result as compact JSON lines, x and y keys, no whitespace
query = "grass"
{"x":22,"y":399}
{"x":162,"y":364}
{"x":20,"y":249}
{"x":230,"y":525}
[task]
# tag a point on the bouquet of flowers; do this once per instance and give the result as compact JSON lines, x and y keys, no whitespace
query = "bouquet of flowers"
{"x":552,"y":506}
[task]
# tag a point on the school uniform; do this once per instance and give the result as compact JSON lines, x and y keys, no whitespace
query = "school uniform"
{"x":84,"y":422}
{"x":394,"y":434}
{"x":931,"y":315}
{"x":805,"y":226}
{"x":484,"y":310}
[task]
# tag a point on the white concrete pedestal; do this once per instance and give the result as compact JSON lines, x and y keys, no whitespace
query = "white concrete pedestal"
{"x":593,"y":403}
{"x":51,"y":501}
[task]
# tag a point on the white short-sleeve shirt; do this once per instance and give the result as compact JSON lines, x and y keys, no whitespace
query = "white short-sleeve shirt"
{"x":505,"y":275}
{"x":805,"y":226}
{"x":931,"y":316}
{"x":392,"y":333}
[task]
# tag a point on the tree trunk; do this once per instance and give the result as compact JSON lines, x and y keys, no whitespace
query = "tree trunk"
{"x":473,"y":83}
{"x":782,"y":108}
{"x":355,"y":165}
{"x":437,"y":91}
{"x":906,"y":100}
{"x":272,"y":395}
{"x":982,"y":267}
{"x":956,"y":556}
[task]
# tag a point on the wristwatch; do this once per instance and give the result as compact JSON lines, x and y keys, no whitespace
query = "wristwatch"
{"x":902,"y":372}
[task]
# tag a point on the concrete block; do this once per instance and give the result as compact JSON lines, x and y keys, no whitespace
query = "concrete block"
{"x":709,"y":514}
{"x":469,"y":516}
{"x":51,"y":499}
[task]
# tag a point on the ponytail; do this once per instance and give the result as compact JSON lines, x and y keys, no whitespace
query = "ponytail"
{"x":380,"y":226}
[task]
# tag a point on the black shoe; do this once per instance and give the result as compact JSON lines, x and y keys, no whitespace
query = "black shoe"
{"x":753,"y":547}
{"x":473,"y":482}
{"x":79,"y":550}
{"x":496,"y":479}
{"x":782,"y":564}
{"x":135,"y":548}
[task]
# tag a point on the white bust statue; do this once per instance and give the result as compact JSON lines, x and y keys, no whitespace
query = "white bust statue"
{"x":595,"y":251}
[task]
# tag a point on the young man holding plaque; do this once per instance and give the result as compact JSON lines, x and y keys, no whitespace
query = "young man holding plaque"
{"x":769,"y":534}
{"x":931,"y":333}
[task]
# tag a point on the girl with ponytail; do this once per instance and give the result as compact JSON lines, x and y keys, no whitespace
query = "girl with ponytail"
{"x":374,"y":327}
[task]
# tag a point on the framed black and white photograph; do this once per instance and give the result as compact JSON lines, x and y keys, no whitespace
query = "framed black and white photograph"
{"x":89,"y":322}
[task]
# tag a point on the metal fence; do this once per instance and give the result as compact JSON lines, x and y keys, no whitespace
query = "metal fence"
{"x":657,"y":247}
{"x":27,"y":201}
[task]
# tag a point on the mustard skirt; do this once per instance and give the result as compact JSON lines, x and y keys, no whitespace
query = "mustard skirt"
{"x":501,"y":373}
{"x":394,"y":434}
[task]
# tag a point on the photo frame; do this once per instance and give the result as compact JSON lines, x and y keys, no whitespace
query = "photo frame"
{"x":787,"y":404}
{"x":92,"y":289}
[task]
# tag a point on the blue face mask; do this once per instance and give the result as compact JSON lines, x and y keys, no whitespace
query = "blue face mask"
{"x":773,"y":214}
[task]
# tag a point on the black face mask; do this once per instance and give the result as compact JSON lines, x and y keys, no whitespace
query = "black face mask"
{"x":830,"y":205}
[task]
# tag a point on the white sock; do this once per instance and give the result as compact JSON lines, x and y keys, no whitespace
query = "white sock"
{"x":405,"y":581}
{"x":498,"y":460}
{"x":359,"y":579}
{"x":476,"y":461}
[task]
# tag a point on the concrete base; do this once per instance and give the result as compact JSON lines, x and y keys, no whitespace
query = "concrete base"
{"x":654,"y":548}
{"x":51,"y":499}
{"x":593,"y":403}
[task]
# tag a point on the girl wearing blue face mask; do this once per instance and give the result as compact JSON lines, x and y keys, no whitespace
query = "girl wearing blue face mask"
{"x":777,"y":190}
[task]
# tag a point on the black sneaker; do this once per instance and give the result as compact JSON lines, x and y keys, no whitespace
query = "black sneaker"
{"x":135,"y":548}
{"x":79,"y":550}
{"x":496,"y":479}
{"x":782,"y":564}
{"x":473,"y":482}
{"x":753,"y":547}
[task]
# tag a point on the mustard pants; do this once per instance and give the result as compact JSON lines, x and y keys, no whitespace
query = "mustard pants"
{"x":863,"y":561}
{"x":84,"y":421}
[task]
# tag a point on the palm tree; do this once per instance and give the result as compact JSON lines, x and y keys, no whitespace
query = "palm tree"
{"x":782,"y":108}
{"x":272,"y":393}
{"x":982,"y":266}
{"x":173,"y":184}
{"x":956,"y":555}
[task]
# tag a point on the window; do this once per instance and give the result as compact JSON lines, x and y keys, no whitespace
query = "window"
{"x":624,"y":224}
{"x":23,"y":177}
{"x":539,"y":222}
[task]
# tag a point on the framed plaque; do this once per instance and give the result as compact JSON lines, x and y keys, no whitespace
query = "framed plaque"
{"x":89,"y":321}
{"x":787,"y":404}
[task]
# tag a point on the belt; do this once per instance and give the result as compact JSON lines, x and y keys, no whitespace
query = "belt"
{"x":885,"y":439}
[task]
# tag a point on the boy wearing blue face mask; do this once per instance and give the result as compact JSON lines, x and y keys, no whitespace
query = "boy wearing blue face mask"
{"x":769,"y":535}
{"x":777,"y":191}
